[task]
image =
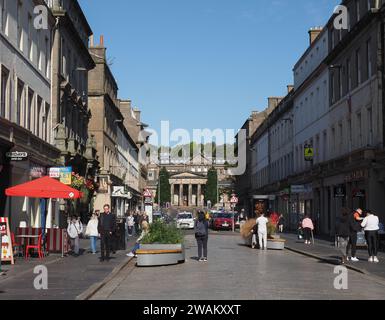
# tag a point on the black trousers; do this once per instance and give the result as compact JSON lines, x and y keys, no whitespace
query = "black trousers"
{"x":372,"y":239}
{"x":307,"y":234}
{"x":105,"y":245}
{"x":202,"y":246}
{"x":352,"y":244}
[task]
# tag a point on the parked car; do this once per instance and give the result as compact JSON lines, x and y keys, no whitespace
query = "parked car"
{"x":185,"y":220}
{"x":222,"y":221}
{"x":157,"y":216}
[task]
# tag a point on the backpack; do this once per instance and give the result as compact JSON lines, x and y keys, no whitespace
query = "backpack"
{"x":200,"y":229}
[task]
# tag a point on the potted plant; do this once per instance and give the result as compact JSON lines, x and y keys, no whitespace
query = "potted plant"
{"x":163,"y":245}
{"x":274,"y":241}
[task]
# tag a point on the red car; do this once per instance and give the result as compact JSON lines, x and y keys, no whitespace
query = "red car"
{"x":222,"y":221}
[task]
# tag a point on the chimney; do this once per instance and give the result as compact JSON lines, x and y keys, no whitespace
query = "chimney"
{"x":273,"y":102}
{"x":290,"y":88}
{"x":314,"y":33}
{"x":91,"y":40}
{"x":137,"y":114}
{"x":102,"y":41}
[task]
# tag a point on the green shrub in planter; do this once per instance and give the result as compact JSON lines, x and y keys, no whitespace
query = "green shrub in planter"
{"x":162,"y":233}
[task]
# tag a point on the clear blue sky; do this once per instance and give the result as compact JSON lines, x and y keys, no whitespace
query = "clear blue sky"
{"x":204,"y":63}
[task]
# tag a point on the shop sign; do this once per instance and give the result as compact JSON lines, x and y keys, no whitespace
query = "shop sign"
{"x":54,"y":173}
{"x":66,"y":175}
{"x":121,"y":192}
{"x":103,"y":185}
{"x":296,"y":189}
{"x":356,"y":175}
{"x":17,"y":156}
{"x":357,"y":193}
{"x":340,"y":192}
{"x":37,"y":172}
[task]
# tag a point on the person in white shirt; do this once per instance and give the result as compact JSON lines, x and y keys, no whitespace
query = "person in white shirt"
{"x":74,"y":230}
{"x":262,"y":222}
{"x":371,"y":227}
{"x":92,"y":231}
{"x":130,"y":224}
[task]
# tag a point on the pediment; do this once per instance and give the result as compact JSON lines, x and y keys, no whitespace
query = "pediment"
{"x":187,"y":175}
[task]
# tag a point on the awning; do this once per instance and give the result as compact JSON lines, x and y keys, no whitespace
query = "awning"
{"x":45,"y":188}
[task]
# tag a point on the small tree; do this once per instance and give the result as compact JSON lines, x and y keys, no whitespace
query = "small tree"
{"x":165,"y":187}
{"x":211,"y":192}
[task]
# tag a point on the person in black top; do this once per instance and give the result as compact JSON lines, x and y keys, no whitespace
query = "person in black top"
{"x":202,"y":236}
{"x":345,"y":227}
{"x":106,"y":227}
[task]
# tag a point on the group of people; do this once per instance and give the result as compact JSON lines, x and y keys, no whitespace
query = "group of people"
{"x":347,"y":229}
{"x":104,"y":226}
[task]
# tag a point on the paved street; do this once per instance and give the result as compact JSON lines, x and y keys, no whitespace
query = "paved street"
{"x":67,"y":277}
{"x":235,"y":272}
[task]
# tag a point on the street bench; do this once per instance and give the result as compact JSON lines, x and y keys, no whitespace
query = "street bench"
{"x":142,"y":251}
{"x":159,"y":257}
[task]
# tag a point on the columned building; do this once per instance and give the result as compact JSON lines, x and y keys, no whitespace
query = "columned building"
{"x":187,"y":190}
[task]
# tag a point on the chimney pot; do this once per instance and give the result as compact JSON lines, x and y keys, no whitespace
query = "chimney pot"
{"x":102,"y":41}
{"x":314,"y":33}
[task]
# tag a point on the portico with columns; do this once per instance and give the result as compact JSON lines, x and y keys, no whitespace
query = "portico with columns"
{"x":187,"y":190}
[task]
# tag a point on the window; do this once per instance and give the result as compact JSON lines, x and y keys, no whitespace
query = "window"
{"x":348,"y":75}
{"x":4,"y":93}
{"x":39,"y":47}
{"x":340,"y":137}
{"x":46,"y":123}
{"x":333,"y":142}
{"x":340,"y":77}
{"x":359,"y":130}
{"x":358,"y":9}
{"x":332,"y":88}
{"x":325,"y":145}
{"x":370,"y":126}
{"x":369,"y":58}
{"x":29,"y":109}
{"x":350,"y":134}
{"x":19,"y":26}
{"x":47,"y":59}
{"x":3,"y":16}
{"x":38,"y":117}
{"x":19,"y":102}
{"x":30,"y":43}
{"x":358,"y":66}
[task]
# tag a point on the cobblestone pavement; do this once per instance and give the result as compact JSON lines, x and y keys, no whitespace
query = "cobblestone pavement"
{"x":236,"y":272}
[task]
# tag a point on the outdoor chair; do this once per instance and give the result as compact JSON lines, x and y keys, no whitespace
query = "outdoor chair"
{"x":38,"y":246}
{"x":16,"y":245}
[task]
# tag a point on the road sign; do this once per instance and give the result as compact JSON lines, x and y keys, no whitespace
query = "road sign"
{"x":147,"y":194}
{"x":309,"y":153}
{"x":234,"y":200}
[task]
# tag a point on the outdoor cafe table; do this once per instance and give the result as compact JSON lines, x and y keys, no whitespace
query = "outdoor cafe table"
{"x":27,"y":238}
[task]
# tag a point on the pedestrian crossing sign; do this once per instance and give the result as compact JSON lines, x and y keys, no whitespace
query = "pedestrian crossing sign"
{"x":309,"y":153}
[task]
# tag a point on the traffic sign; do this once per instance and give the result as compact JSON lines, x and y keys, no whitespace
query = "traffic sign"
{"x":234,"y":200}
{"x":309,"y":153}
{"x":147,"y":194}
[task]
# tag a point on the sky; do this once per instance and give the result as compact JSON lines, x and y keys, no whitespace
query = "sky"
{"x":203,"y":63}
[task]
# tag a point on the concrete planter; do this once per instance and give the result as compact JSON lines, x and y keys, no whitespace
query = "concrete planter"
{"x":163,"y":259}
{"x":276,"y":244}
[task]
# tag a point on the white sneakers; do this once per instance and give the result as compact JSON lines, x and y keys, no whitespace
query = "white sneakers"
{"x":371,"y":259}
{"x":354,"y":259}
{"x":375,"y":260}
{"x":130,"y":255}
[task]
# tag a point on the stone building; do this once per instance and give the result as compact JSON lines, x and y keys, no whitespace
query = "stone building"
{"x":26,"y":112}
{"x":336,"y":120}
{"x":116,"y":131}
{"x":71,"y":63}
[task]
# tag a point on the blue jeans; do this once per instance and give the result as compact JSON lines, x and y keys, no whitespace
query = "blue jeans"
{"x":136,"y":247}
{"x":93,"y":244}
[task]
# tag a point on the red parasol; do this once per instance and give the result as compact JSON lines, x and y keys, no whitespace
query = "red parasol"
{"x":45,"y":187}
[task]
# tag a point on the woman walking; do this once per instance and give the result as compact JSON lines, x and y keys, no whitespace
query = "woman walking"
{"x":281,"y":223}
{"x":92,"y":231}
{"x":130,"y":224}
{"x":145,"y":230}
{"x":202,"y":236}
{"x":308,"y":227}
{"x":371,"y":227}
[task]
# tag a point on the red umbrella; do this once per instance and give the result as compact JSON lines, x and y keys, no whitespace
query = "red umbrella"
{"x":46,"y":188}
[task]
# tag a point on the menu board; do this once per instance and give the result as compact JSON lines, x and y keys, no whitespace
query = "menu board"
{"x":6,"y":241}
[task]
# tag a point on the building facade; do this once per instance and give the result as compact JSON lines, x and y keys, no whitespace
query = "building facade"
{"x":330,"y":128}
{"x":26,"y":113}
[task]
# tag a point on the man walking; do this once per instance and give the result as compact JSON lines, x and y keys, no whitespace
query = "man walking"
{"x":262,"y":222}
{"x":106,"y":228}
